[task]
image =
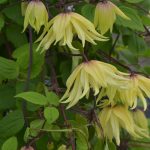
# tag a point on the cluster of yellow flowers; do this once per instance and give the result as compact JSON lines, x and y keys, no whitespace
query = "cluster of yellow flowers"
{"x":117,"y":92}
{"x":62,"y":28}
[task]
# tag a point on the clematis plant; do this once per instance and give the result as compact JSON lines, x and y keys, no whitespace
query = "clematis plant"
{"x":78,"y":79}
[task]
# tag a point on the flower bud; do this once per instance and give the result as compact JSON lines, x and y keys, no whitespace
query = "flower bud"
{"x":35,"y":15}
{"x":105,"y":16}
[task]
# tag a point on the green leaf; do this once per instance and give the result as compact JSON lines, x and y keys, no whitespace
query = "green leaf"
{"x":145,"y":53}
{"x":88,"y":11}
{"x":65,"y":71}
{"x":2,"y":22}
{"x":56,"y":135}
{"x":134,"y":1}
{"x":139,"y":145}
{"x":146,"y":20}
{"x":112,"y":146}
{"x":136,"y":43}
{"x":81,"y":142}
{"x":3,"y":1}
{"x":11,"y":124}
{"x":52,"y":98}
{"x":18,"y":40}
{"x":145,"y":69}
{"x":8,"y":69}
{"x":7,"y":99}
{"x":10,"y":144}
{"x":135,"y":23}
{"x":81,"y":123}
{"x":27,"y":134}
{"x":146,"y":5}
{"x":13,"y":12}
{"x":22,"y":56}
{"x":128,"y":56}
{"x":35,"y":127}
{"x":44,"y":143}
{"x":99,"y":144}
{"x":33,"y":97}
{"x":51,"y":114}
{"x":37,"y":124}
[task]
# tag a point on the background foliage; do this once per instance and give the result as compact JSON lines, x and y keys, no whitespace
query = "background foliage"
{"x":44,"y":76}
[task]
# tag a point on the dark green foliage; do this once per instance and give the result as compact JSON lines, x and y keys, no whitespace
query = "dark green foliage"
{"x":29,"y":97}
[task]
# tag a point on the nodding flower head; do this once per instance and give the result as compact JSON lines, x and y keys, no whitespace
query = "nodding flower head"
{"x":36,"y":15}
{"x":62,"y":28}
{"x":105,"y":16}
{"x":138,"y":88}
{"x":113,"y":119}
{"x":90,"y":75}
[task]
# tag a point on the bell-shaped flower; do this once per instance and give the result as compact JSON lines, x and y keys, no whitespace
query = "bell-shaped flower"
{"x":90,"y":75}
{"x":138,"y":89}
{"x":105,"y":16}
{"x":62,"y":28}
{"x":113,"y":119}
{"x":36,"y":15}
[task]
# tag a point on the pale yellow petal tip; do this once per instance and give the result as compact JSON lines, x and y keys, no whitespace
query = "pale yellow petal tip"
{"x":119,"y":12}
{"x":23,"y":30}
{"x":127,"y":18}
{"x":145,"y":108}
{"x":68,"y":107}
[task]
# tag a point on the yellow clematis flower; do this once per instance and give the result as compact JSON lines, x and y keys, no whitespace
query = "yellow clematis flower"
{"x":64,"y":26}
{"x":36,"y":15}
{"x":90,"y":75}
{"x":105,"y":16}
{"x":138,"y":89}
{"x":114,"y":118}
